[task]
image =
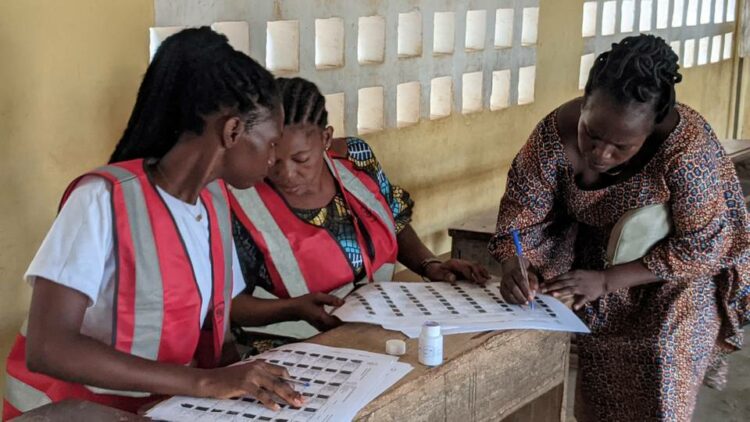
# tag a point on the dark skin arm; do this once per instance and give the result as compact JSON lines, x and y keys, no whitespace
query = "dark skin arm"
{"x":586,"y":286}
{"x":411,"y":253}
{"x":250,"y":311}
{"x":56,"y":347}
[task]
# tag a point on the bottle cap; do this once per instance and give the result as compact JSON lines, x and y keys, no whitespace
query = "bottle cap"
{"x":395,"y":347}
{"x":431,"y":329}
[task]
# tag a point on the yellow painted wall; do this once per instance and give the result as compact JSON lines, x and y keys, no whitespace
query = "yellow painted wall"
{"x":743,"y":117}
{"x":69,"y":75}
{"x":743,"y":127}
{"x":709,"y":90}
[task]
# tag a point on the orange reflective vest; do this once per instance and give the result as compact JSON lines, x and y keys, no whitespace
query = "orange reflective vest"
{"x":157,"y":300}
{"x":302,"y":258}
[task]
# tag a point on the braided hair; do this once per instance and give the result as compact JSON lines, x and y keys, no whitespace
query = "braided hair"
{"x":303,"y":102}
{"x":193,"y":74}
{"x":641,"y":68}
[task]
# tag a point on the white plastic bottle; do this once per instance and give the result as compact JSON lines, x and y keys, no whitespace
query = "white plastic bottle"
{"x":431,"y":344}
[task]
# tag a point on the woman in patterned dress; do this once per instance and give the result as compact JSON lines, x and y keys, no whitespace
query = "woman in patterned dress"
{"x":657,"y":322}
{"x":303,"y":179}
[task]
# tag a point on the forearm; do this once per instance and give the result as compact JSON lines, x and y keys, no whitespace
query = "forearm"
{"x":411,"y":251}
{"x":628,"y":275}
{"x":81,"y":359}
{"x":250,"y":311}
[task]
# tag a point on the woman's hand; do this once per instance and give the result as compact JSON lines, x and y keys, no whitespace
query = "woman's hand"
{"x":311,"y":308}
{"x":453,"y":269}
{"x":514,"y":287}
{"x":585,"y":285}
{"x":257,"y":379}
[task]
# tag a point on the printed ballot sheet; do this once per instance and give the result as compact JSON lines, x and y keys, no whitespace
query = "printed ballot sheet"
{"x":341,"y":383}
{"x":459,"y":308}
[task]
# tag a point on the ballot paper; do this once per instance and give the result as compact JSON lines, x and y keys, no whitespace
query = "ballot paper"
{"x":458,"y":307}
{"x":341,"y":382}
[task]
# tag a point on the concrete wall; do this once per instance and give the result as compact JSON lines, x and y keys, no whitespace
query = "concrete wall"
{"x":69,"y":78}
{"x":457,"y":166}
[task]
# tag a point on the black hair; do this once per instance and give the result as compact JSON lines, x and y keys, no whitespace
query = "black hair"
{"x":303,"y":102}
{"x":194,"y":73}
{"x":640,"y":68}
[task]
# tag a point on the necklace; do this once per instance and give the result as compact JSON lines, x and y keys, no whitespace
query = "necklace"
{"x":197,"y":217}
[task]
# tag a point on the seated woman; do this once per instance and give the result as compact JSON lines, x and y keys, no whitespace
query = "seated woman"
{"x":133,"y":282}
{"x":656,"y":322}
{"x":325,"y":219}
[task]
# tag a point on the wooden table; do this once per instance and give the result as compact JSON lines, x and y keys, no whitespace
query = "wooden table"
{"x":501,"y":375}
{"x":510,"y":375}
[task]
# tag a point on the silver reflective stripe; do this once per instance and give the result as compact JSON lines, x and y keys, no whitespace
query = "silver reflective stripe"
{"x":343,"y":291}
{"x":262,"y":293}
{"x":149,"y":291}
{"x":384,"y":273}
{"x":359,"y":190}
{"x":279,"y":249}
{"x":23,"y":396}
{"x":355,"y":186}
{"x":97,"y":390}
{"x":299,"y":330}
{"x":225,"y":228}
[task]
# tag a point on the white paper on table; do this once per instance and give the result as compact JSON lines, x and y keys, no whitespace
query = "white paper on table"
{"x":394,"y":375}
{"x":342,"y":382}
{"x":459,"y":308}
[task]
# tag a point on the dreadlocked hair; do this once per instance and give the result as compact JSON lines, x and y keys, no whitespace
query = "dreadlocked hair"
{"x":303,"y":102}
{"x":193,"y":74}
{"x":641,"y":68}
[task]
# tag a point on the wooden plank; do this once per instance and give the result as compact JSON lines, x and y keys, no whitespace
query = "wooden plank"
{"x":475,"y":249}
{"x":543,"y":409}
{"x":470,"y":240}
{"x":485,"y":376}
{"x":480,"y":223}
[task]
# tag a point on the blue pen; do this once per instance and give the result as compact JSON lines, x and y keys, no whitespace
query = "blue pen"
{"x":519,"y":254}
{"x":295,"y":381}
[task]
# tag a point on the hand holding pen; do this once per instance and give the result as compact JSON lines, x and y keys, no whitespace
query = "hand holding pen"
{"x":518,"y":285}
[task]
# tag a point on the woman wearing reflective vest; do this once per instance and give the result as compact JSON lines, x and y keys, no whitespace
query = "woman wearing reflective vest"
{"x":301,"y":234}
{"x":133,"y":283}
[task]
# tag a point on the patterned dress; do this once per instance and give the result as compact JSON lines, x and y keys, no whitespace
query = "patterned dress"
{"x":650,"y":345}
{"x":334,"y":217}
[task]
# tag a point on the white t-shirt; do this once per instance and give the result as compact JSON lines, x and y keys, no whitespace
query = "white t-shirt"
{"x":78,"y":252}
